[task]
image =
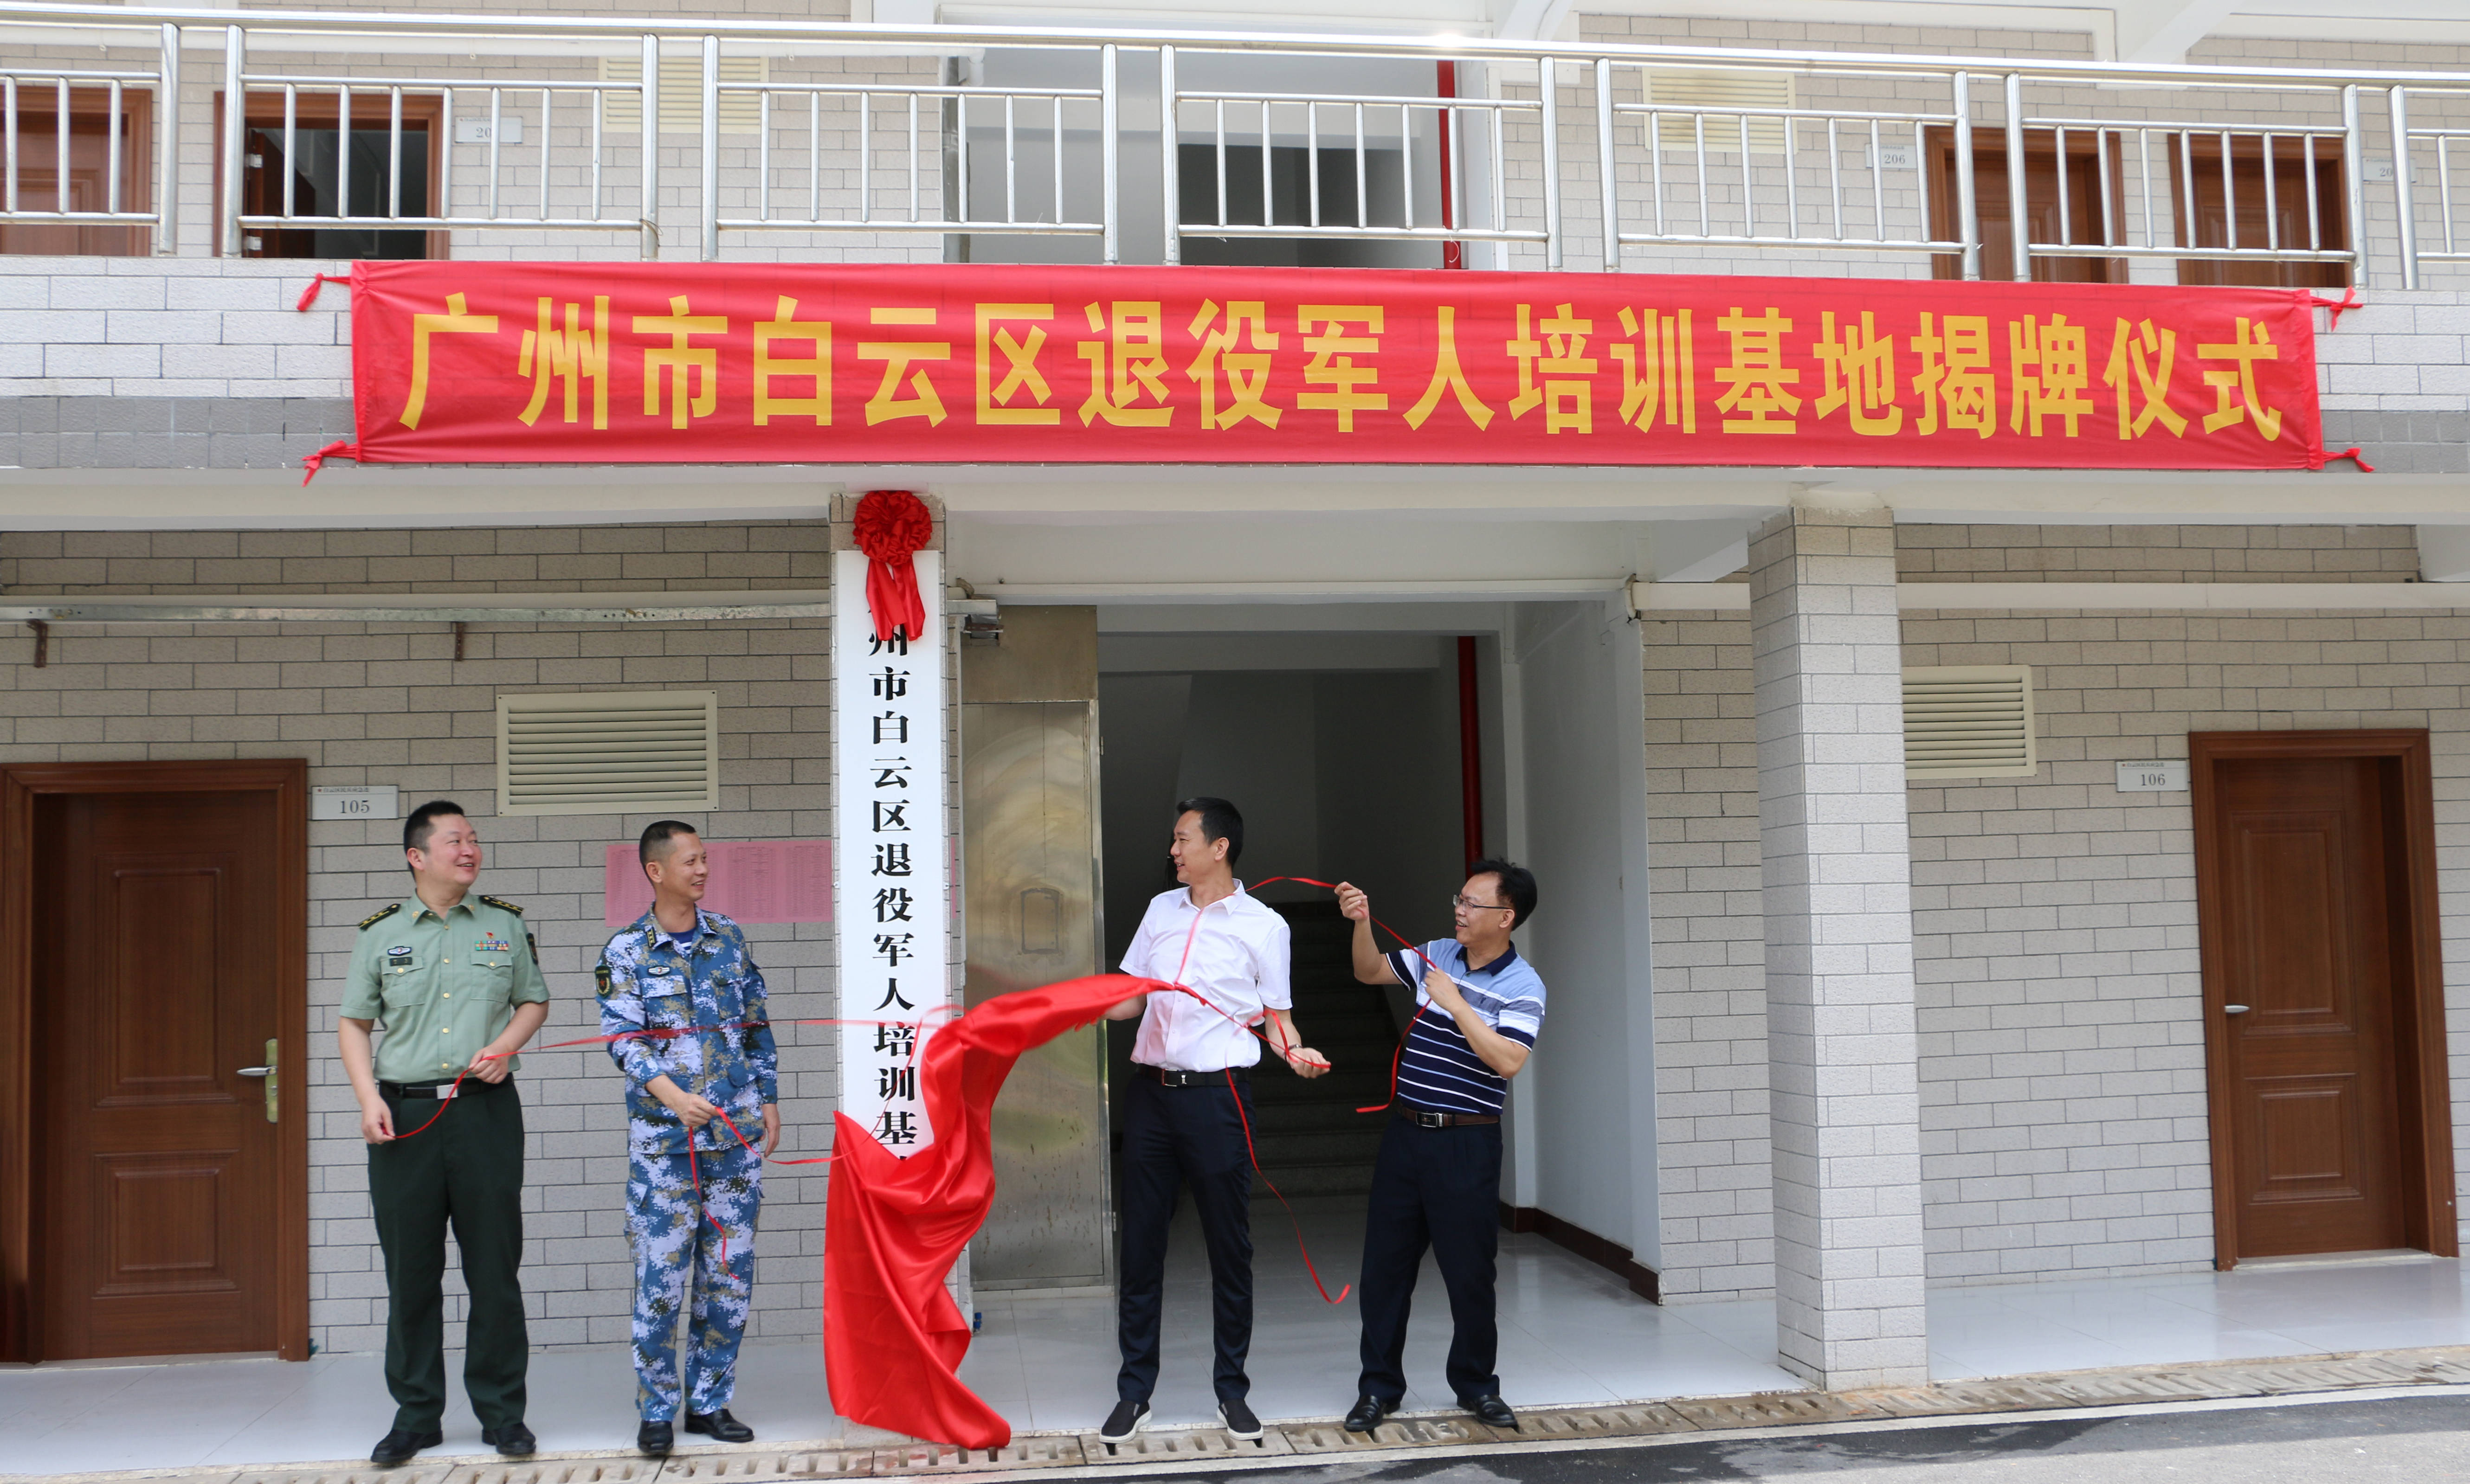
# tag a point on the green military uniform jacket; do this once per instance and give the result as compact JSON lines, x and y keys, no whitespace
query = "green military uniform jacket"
{"x":443,"y":987}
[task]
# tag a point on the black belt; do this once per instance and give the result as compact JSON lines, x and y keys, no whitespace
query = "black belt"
{"x":1167,"y":1076}
{"x":1424,"y":1120}
{"x":444,"y":1089}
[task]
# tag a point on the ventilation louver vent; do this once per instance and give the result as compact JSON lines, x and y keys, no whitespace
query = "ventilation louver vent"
{"x":1969,"y":720}
{"x":1693,"y":88}
{"x":609,"y":752}
{"x":682,"y":95}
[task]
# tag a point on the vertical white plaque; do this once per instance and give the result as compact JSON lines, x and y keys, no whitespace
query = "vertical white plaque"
{"x":892,"y":876}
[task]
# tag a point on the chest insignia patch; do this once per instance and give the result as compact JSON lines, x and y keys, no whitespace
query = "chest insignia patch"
{"x":660,"y":969}
{"x":491,"y":943}
{"x":402,"y":951}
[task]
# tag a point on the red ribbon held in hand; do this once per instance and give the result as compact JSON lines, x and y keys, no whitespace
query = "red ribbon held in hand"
{"x":892,"y":525}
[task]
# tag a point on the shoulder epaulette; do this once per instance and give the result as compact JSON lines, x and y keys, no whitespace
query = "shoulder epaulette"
{"x":381,"y":914}
{"x":496,"y":901}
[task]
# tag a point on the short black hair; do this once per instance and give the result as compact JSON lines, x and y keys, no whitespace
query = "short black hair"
{"x":657,"y":836}
{"x":422,"y":823}
{"x":1517,"y":884}
{"x":1218,"y":821}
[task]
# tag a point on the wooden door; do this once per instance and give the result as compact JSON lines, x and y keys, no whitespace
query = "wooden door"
{"x":2083,"y":222}
{"x":2307,"y":891}
{"x":162,"y":958}
{"x":2287,"y":209}
{"x":89,"y":174}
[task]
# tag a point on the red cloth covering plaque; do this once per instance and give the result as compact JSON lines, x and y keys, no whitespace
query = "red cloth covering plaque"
{"x":893,"y":1337}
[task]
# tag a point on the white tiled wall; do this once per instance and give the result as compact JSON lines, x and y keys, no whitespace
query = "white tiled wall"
{"x":388,"y":704}
{"x":2061,"y":1053}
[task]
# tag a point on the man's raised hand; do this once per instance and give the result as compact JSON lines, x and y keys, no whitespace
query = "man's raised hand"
{"x":1352,"y":904}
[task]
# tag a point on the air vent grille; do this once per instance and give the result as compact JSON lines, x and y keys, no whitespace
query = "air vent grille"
{"x":1696,"y":88}
{"x":682,"y":95}
{"x":1972,"y":721}
{"x":608,"y":751}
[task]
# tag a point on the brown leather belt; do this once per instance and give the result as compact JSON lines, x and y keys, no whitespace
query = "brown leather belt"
{"x":1168,"y":1077}
{"x":1423,"y":1120}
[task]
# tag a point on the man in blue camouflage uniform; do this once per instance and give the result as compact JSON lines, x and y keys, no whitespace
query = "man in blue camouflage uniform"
{"x":680,"y":968}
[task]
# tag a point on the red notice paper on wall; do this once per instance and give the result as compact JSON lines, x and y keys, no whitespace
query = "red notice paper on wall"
{"x":752,"y":881}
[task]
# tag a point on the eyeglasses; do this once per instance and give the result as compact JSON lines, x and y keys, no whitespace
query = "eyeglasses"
{"x":1465,"y":904}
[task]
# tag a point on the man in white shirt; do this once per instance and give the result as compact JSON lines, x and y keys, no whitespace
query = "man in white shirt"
{"x":1186,"y":1120}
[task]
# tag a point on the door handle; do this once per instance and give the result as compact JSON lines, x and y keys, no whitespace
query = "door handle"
{"x":273,"y":1082}
{"x":2234,"y":1009}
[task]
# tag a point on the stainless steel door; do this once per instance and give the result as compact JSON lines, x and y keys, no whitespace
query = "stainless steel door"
{"x":1029,"y":791}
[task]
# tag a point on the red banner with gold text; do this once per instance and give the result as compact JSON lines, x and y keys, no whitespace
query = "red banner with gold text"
{"x":593,"y":362}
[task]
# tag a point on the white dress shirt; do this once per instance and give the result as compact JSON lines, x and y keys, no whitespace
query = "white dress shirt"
{"x":1238,"y":960}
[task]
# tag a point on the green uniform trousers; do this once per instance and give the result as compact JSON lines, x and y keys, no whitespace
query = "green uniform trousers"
{"x":467,"y":1170}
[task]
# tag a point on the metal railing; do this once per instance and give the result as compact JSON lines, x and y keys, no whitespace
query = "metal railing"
{"x":2437,"y":145}
{"x":1878,"y":156}
{"x":1444,"y":219}
{"x":1684,"y":148}
{"x":498,"y":213}
{"x":910,"y":214}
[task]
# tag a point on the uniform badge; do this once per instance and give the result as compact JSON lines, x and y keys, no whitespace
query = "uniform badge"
{"x":658,"y":968}
{"x":491,"y":943}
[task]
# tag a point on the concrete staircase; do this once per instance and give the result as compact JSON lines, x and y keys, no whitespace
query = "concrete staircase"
{"x":1309,"y":1137}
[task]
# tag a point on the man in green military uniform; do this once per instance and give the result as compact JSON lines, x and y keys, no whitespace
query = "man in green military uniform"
{"x":455,"y":980}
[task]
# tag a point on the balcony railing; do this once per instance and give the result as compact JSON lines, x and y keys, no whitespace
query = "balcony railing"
{"x":824,"y":134}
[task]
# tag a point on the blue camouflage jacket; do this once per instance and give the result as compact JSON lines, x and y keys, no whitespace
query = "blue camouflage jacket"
{"x":647,"y":984}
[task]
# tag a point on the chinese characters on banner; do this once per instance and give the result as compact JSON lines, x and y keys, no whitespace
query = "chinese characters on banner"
{"x":892,"y":871}
{"x":908,"y":363}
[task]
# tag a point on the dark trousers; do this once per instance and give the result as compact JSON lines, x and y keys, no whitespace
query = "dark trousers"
{"x":1193,"y":1136}
{"x":465,"y":1171}
{"x":1438,"y":1187}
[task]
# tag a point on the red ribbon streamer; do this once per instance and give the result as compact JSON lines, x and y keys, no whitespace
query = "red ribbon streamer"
{"x":893,"y":1337}
{"x":339,"y":449}
{"x":317,"y":281}
{"x":2322,"y":457}
{"x":892,"y":525}
{"x":2349,"y":301}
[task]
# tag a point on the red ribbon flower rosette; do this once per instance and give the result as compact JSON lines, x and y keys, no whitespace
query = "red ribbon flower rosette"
{"x":892,"y":525}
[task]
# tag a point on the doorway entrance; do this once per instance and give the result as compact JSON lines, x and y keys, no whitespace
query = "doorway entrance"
{"x":154,"y":994}
{"x":2323,"y":999}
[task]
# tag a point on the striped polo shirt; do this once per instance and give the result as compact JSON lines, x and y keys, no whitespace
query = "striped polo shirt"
{"x":1439,"y":1072}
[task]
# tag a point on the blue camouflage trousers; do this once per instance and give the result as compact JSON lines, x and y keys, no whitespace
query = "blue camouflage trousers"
{"x":679,"y":1270}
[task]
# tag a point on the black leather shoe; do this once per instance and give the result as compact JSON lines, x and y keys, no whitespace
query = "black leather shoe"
{"x":719,"y":1427}
{"x":655,"y":1439}
{"x":1367,"y":1414}
{"x":1492,"y":1412}
{"x":401,"y":1444}
{"x":514,"y":1440}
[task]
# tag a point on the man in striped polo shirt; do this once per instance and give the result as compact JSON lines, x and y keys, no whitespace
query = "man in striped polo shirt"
{"x":1477,"y":1008}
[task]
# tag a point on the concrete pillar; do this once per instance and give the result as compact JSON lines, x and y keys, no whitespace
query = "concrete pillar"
{"x":1845,"y":1099}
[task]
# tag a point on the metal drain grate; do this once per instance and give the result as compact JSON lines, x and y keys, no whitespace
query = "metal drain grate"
{"x":585,"y":1471}
{"x":1595,"y":1422}
{"x":838,"y":1463}
{"x":1047,"y":1451}
{"x":1184,"y":1445}
{"x":1397,"y":1433}
{"x":1770,"y":1410}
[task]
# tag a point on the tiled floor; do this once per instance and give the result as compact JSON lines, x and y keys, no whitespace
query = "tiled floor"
{"x":1571,"y":1334}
